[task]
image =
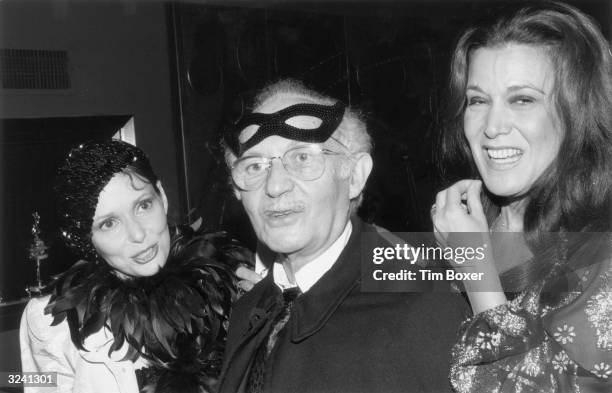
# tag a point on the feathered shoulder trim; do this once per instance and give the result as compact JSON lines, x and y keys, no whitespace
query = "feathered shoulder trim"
{"x":175,"y":319}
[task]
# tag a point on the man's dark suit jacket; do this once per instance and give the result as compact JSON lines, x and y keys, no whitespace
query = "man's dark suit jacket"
{"x":339,"y":339}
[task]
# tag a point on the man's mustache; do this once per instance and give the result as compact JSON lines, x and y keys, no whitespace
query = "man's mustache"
{"x":284,"y":208}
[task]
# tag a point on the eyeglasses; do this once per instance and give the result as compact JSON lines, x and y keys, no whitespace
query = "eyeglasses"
{"x":305,"y":163}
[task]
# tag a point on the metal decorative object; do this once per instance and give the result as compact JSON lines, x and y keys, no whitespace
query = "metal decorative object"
{"x":38,"y":253}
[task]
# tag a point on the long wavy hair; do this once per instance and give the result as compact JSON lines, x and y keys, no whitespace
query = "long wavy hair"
{"x":574,"y":192}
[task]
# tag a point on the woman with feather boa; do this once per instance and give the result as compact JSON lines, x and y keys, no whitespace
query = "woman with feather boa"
{"x":146,"y":309}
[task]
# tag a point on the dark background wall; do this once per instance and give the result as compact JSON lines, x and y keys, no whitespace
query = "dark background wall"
{"x":388,"y":58}
{"x":119,"y":66}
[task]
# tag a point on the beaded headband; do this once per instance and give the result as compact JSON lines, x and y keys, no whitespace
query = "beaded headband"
{"x":276,"y":124}
{"x":80,"y":179}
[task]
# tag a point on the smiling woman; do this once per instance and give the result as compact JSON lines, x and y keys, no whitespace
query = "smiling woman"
{"x":529,"y":113}
{"x":510,"y":121}
{"x":146,"y":309}
{"x":129,"y":228}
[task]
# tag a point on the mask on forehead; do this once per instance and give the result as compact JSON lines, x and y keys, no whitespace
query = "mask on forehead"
{"x":276,"y":124}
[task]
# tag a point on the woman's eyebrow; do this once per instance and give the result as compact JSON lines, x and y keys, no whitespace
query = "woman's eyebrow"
{"x":103,"y":217}
{"x":476,"y":88}
{"x":514,"y":88}
{"x":142,"y":197}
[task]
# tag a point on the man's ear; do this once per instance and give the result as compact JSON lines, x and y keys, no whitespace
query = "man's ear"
{"x":360,"y":174}
{"x":162,"y":193}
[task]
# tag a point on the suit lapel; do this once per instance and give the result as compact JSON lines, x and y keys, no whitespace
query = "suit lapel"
{"x":252,"y":330}
{"x":313,"y":309}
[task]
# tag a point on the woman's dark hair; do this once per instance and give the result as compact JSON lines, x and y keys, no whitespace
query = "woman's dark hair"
{"x":574,"y":193}
{"x":144,"y":173}
{"x":80,"y":179}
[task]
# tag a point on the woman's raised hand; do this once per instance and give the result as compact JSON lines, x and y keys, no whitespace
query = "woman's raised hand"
{"x":459,"y":221}
{"x":248,"y":278}
{"x":458,"y":209}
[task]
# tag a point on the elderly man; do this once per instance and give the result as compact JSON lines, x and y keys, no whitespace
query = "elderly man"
{"x":299,"y":165}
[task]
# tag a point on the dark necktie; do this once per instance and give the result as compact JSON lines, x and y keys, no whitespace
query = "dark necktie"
{"x":256,"y":377}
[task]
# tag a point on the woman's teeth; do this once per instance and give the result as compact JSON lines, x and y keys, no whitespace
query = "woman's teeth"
{"x":147,"y":255}
{"x":502,"y":154}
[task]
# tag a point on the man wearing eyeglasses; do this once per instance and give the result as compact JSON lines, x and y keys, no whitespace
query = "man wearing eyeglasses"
{"x":299,"y":163}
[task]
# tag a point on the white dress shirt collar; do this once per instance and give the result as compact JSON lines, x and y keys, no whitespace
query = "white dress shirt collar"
{"x":310,"y":273}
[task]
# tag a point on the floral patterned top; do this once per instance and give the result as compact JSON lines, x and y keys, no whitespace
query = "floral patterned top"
{"x":522,"y":346}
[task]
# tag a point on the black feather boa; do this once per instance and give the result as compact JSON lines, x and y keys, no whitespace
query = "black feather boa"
{"x":176,"y":319}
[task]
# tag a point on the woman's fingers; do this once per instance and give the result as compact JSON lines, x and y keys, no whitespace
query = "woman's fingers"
{"x":473,"y":200}
{"x":248,"y":278}
{"x":441,"y":238}
{"x":453,"y":195}
{"x":458,"y":192}
{"x":245,"y":285}
{"x":248,"y":275}
{"x":458,"y":209}
{"x":440,"y":201}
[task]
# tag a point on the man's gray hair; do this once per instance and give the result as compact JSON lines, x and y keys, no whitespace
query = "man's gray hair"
{"x":352,"y":131}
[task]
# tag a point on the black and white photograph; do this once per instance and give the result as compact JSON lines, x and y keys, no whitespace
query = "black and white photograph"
{"x":305,"y":196}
